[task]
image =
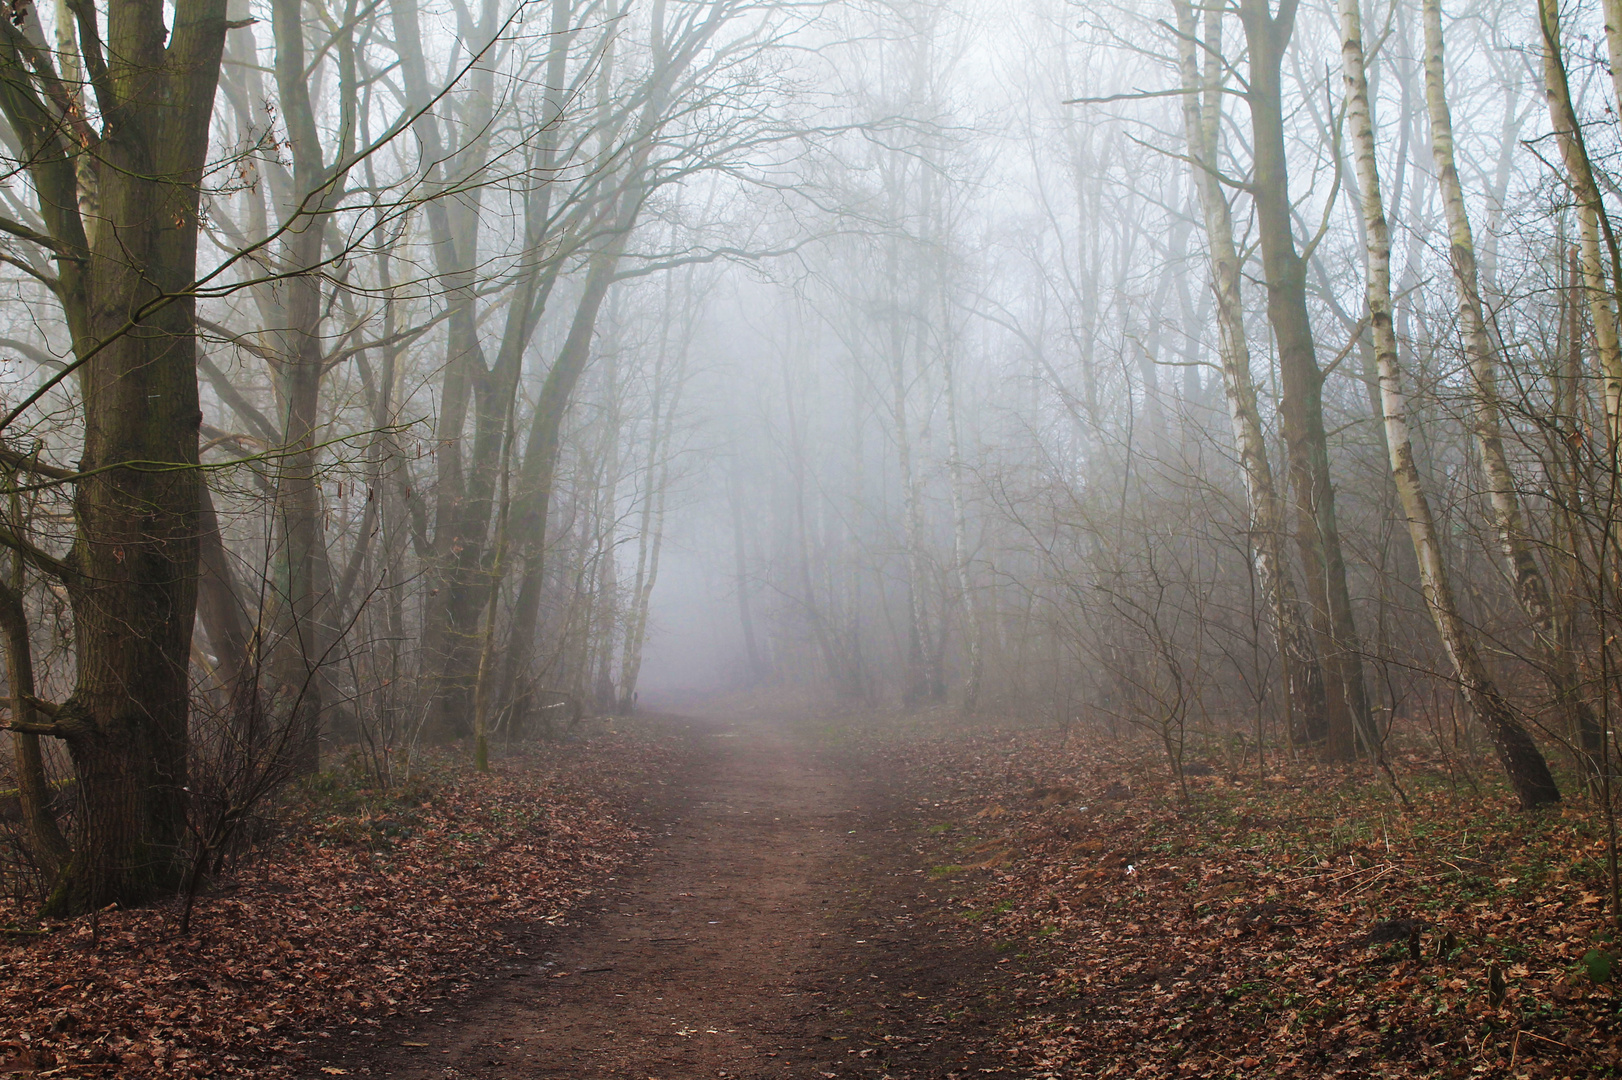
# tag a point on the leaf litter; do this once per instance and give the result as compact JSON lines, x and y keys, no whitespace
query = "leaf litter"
{"x":361,"y":908}
{"x":1295,"y":923}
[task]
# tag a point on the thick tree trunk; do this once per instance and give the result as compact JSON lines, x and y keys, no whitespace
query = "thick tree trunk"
{"x":1202,"y":115}
{"x":1528,"y":772}
{"x":124,"y":289}
{"x":1318,"y":531}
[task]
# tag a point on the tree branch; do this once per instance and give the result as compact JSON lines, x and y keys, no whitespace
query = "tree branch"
{"x":23,"y":232}
{"x":41,"y":559}
{"x":31,"y":463}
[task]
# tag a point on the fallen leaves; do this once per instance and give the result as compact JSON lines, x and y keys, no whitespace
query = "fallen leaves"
{"x":1293,"y":924}
{"x":348,"y":918}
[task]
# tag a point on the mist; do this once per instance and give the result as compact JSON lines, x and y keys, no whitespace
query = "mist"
{"x":888,"y":537}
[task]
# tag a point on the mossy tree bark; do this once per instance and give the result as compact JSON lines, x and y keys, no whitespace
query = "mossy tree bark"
{"x":125,"y":279}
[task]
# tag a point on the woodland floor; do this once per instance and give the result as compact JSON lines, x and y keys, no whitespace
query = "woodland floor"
{"x":763,"y":896}
{"x":783,"y":923}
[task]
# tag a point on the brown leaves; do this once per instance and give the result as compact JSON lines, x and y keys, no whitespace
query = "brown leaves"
{"x":335,"y":929}
{"x":1271,"y":927}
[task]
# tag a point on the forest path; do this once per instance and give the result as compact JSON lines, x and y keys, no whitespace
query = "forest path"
{"x":781,"y":925}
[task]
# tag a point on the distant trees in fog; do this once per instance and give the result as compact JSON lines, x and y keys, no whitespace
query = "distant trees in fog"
{"x":1245,"y":372}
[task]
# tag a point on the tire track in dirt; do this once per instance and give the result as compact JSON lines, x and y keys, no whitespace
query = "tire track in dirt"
{"x":780,"y":926}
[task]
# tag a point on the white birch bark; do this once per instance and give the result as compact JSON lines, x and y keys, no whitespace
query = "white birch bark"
{"x":1593,"y":227}
{"x":1531,"y":588}
{"x":1519,"y":755}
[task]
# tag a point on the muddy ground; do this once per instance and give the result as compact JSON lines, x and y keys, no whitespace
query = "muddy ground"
{"x":783,"y":923}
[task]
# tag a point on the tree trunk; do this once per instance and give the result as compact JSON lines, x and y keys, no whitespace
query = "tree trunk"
{"x":1202,"y":116}
{"x":606,"y":608}
{"x":1594,"y":226}
{"x":124,"y":283}
{"x":1528,"y":772}
{"x":740,"y":567}
{"x":536,"y":474}
{"x":1531,"y":588}
{"x":485,"y":686}
{"x":533,"y":497}
{"x":1318,"y":532}
{"x":219,"y":605}
{"x":669,"y":379}
{"x":960,"y":538}
{"x":47,"y":845}
{"x":465,"y":471}
{"x":916,"y":685}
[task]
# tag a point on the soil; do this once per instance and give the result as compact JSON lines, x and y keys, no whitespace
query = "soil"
{"x":782,"y":923}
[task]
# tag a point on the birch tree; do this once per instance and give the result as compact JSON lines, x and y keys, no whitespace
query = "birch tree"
{"x":1317,"y":527}
{"x":1202,"y":118}
{"x":1531,"y":588}
{"x":1528,"y":773}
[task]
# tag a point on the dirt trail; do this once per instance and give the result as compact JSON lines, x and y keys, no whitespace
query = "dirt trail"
{"x":780,"y":926}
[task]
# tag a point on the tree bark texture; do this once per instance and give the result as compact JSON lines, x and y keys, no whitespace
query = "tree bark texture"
{"x":1597,"y":244}
{"x":1202,"y":104}
{"x":1530,"y":585}
{"x":1318,"y":531}
{"x":1520,"y":757}
{"x":124,"y":283}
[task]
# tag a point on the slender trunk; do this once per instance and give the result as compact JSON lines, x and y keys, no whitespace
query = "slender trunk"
{"x":960,"y":540}
{"x":651,"y":533}
{"x":532,"y":499}
{"x":1527,"y":770}
{"x":740,"y":566}
{"x":536,"y":473}
{"x":636,"y":631}
{"x":46,"y":843}
{"x":470,"y":393}
{"x":1597,"y":243}
{"x":916,"y":686}
{"x":1531,"y":588}
{"x":1613,"y":44}
{"x":814,"y":614}
{"x":304,"y":624}
{"x":485,"y":685}
{"x":219,"y":606}
{"x":607,"y":598}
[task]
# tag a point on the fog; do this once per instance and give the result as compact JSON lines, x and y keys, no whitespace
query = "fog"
{"x":388,"y":378}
